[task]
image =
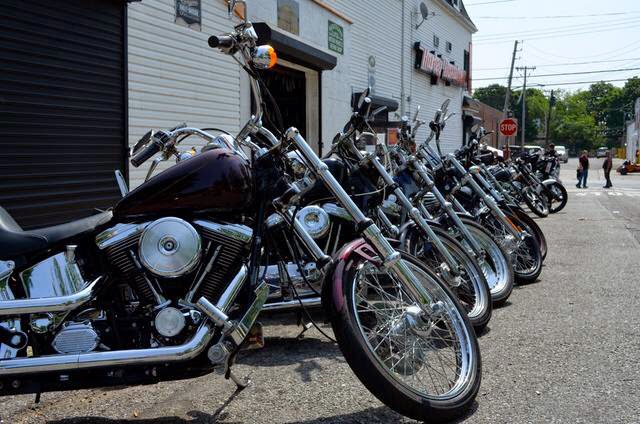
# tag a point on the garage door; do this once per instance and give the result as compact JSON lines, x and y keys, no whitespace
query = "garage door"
{"x":62,"y":107}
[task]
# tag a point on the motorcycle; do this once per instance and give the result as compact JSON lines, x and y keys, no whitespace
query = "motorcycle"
{"x":462,"y":188}
{"x":167,"y":284}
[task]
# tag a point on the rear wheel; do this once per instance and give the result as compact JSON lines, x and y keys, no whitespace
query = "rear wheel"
{"x":470,"y":286}
{"x":424,"y":365}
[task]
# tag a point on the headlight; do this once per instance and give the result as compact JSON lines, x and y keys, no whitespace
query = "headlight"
{"x":314,"y":220}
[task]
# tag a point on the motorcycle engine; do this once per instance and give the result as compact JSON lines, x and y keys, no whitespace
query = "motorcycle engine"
{"x":171,"y":256}
{"x":170,"y":247}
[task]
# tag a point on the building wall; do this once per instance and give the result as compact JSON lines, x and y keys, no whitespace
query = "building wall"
{"x":175,"y":77}
{"x":491,"y":118}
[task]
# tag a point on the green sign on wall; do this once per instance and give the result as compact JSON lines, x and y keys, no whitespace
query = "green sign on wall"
{"x":336,"y":38}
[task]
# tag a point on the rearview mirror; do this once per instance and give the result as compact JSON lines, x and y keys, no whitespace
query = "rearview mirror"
{"x":475,"y":128}
{"x":231,"y":7}
{"x":364,"y":95}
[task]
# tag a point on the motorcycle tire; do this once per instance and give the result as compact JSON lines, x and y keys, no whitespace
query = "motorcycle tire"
{"x":497,"y":266}
{"x":532,"y":228}
{"x":526,"y":258}
{"x":557,"y":196}
{"x":536,"y":203}
{"x":473,"y":290}
{"x":397,"y":382}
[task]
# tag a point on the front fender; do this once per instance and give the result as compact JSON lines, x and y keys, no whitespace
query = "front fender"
{"x":549,"y":182}
{"x":410,"y":225}
{"x":343,"y":260}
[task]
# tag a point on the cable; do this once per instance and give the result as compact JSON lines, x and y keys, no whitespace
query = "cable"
{"x":608,"y":28}
{"x":604,"y":55}
{"x":577,"y":82}
{"x":563,"y":64}
{"x":556,"y":16}
{"x":564,"y":73}
{"x":489,"y":2}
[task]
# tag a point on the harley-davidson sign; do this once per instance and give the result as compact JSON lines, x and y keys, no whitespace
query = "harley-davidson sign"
{"x":437,"y":67}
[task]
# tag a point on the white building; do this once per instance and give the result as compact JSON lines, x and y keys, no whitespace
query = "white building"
{"x":328,"y":50}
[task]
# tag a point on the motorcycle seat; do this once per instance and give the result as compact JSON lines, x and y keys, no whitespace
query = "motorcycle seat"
{"x":14,"y":241}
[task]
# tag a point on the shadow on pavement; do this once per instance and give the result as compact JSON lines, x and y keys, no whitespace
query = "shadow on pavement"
{"x":280,"y":351}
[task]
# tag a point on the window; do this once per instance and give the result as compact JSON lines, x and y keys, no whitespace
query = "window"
{"x":289,"y":16}
{"x":436,"y":41}
{"x":449,"y":47}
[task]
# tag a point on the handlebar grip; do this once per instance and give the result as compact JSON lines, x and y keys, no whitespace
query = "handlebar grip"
{"x":144,"y":155}
{"x":221,"y":41}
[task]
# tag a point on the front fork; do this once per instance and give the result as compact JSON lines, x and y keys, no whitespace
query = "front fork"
{"x":478,"y":252}
{"x":488,"y":200}
{"x":391,"y":259}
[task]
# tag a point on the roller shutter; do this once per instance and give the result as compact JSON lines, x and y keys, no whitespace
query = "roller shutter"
{"x":62,"y":107}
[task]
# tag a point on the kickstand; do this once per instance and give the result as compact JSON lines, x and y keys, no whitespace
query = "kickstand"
{"x":305,"y":327}
{"x":241,"y":383}
{"x":38,"y":395}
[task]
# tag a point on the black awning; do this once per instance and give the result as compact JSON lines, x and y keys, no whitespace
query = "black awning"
{"x":469,"y":102}
{"x":294,"y":50}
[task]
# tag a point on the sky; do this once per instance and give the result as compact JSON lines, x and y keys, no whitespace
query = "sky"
{"x":558,"y":36}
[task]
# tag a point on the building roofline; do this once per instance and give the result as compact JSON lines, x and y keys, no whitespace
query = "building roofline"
{"x":461,"y":15}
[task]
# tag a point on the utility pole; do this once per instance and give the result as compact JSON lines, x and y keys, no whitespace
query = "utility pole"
{"x":524,"y":102}
{"x":507,"y":97}
{"x":552,"y":101}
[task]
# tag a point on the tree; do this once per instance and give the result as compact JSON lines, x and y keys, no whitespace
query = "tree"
{"x":492,"y":95}
{"x":604,"y":103}
{"x":573,"y":125}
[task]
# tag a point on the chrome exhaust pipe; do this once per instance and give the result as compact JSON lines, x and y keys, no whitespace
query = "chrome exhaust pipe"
{"x":74,"y":362}
{"x":49,"y":304}
{"x":161,"y":355}
{"x":291,"y":305}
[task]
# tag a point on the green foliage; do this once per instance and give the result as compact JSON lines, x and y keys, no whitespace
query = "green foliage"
{"x":581,"y":120}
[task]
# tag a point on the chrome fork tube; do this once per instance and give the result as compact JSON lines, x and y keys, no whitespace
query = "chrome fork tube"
{"x":488,"y":186}
{"x":391,"y":258}
{"x":316,"y":251}
{"x":416,"y":216}
{"x":488,"y":200}
{"x":447,"y":207}
{"x":386,"y":222}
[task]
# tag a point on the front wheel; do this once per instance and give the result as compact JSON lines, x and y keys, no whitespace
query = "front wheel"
{"x":535,"y":202}
{"x":425,"y":366}
{"x":469,"y":284}
{"x":557,"y":196}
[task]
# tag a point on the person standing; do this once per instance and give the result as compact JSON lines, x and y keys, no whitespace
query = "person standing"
{"x":583,"y":169}
{"x":606,"y":166}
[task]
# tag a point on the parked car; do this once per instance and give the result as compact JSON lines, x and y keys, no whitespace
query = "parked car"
{"x":602,"y":152}
{"x":563,"y":154}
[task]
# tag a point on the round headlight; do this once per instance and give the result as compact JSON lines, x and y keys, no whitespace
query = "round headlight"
{"x":314,"y":220}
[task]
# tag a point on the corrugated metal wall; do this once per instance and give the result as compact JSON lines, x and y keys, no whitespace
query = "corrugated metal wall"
{"x":62,"y":107}
{"x":175,"y":77}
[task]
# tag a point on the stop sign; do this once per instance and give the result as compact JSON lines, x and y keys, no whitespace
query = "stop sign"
{"x":508,"y":127}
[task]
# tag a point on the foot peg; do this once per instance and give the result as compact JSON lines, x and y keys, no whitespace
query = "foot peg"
{"x":12,"y":338}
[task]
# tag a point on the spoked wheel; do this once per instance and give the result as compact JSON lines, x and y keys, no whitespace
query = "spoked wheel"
{"x":470,"y":286}
{"x":525,"y":254}
{"x":557,"y":197}
{"x":535,"y":202}
{"x":421,"y":361}
{"x":520,"y":218}
{"x":497,"y":266}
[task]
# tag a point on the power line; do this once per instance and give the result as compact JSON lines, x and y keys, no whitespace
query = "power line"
{"x":564,"y":64}
{"x":579,"y":82}
{"x":488,"y":2}
{"x":604,"y":55}
{"x":563,"y":32}
{"x":583,"y":25}
{"x":556,"y":16}
{"x":566,"y":73}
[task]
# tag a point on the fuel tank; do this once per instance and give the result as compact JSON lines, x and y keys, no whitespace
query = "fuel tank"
{"x":215,"y":181}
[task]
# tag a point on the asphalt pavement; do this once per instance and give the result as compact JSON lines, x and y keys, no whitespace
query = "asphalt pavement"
{"x":564,"y":349}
